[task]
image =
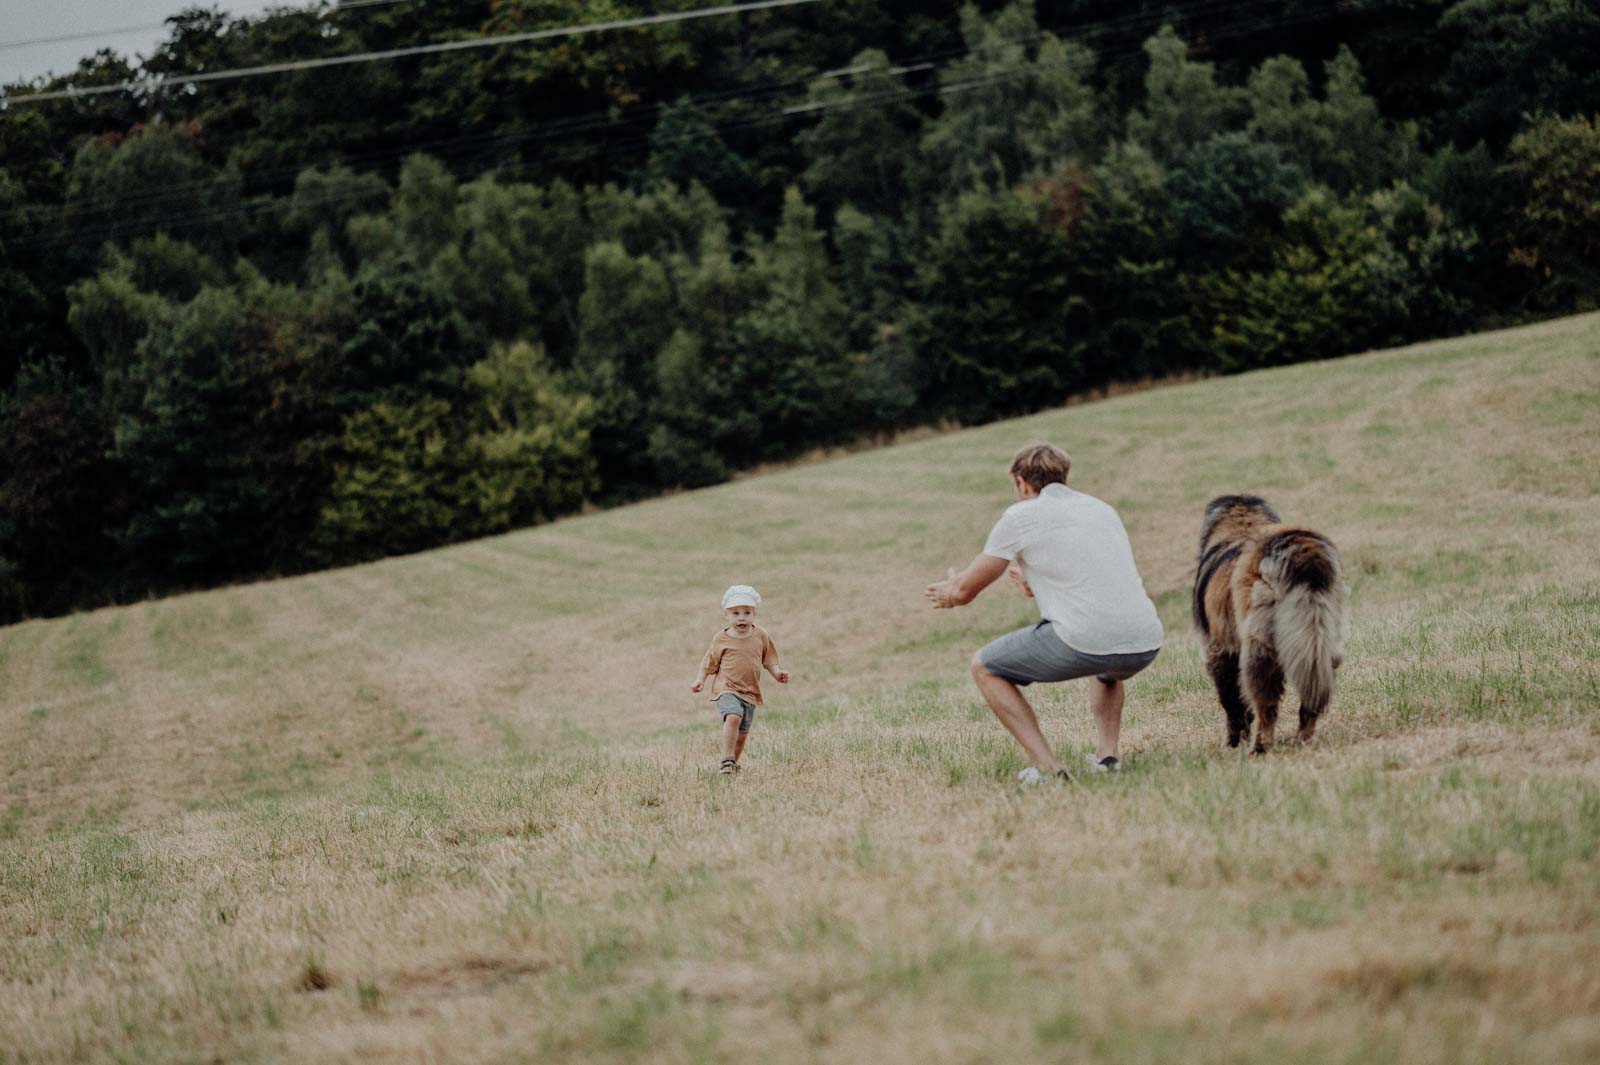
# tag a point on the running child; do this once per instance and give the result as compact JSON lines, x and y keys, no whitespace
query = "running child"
{"x":738,"y":653}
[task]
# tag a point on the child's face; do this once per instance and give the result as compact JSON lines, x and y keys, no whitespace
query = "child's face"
{"x":740,"y":618}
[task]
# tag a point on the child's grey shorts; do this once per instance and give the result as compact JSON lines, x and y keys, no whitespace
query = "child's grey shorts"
{"x":1037,"y":654}
{"x":729,"y":703}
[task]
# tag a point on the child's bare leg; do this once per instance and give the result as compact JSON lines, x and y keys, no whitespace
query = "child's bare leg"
{"x":738,"y":747}
{"x":732,"y":741}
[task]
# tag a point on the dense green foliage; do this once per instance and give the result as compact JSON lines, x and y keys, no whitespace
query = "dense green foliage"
{"x":263,"y":325}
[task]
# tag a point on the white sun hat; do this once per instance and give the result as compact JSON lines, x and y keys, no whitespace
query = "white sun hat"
{"x":740,"y":595}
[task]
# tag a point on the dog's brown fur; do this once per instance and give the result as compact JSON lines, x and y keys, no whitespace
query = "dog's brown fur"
{"x":1269,"y":599}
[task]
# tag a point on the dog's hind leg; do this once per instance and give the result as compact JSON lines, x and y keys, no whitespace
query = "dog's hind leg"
{"x":1223,"y":666}
{"x":1263,"y":687}
{"x":1308,"y":724}
{"x":1309,"y":713}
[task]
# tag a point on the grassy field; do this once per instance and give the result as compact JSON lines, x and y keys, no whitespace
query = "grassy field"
{"x":461,"y":805}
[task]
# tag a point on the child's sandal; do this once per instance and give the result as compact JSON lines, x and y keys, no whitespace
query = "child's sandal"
{"x":729,"y":766}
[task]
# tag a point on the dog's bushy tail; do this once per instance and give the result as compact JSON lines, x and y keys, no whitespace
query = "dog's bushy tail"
{"x":1309,"y":619}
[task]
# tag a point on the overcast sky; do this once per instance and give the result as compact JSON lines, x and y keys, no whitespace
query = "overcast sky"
{"x":132,"y":27}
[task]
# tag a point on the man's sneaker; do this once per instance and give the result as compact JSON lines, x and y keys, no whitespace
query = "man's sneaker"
{"x":1108,"y":764}
{"x":1031,"y":776}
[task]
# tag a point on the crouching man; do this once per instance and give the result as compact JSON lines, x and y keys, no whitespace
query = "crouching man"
{"x":1068,"y":552}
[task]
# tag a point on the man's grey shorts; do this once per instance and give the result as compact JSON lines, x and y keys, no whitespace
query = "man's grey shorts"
{"x":1037,"y":654}
{"x":729,"y":703}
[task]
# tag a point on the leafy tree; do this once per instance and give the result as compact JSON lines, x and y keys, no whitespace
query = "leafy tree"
{"x":425,"y":207}
{"x":1126,"y":265}
{"x":1510,"y":58}
{"x":791,"y":366}
{"x":326,"y":200}
{"x":1365,"y":151}
{"x":1008,"y":107}
{"x":1341,"y":141}
{"x":685,"y":150}
{"x":1347,"y":275}
{"x":1429,"y":264}
{"x":24,"y":305}
{"x":1227,"y":196}
{"x":59,"y":494}
{"x":1556,"y":163}
{"x":217,"y":432}
{"x":862,"y":149}
{"x":483,"y":269}
{"x":1183,"y":105}
{"x":662,"y":223}
{"x":152,"y":181}
{"x":557,"y":236}
{"x":528,"y":450}
{"x":693,"y":420}
{"x":701,"y":423}
{"x":1480,"y":196}
{"x":408,"y":339}
{"x":875,"y":270}
{"x":1302,"y":307}
{"x":994,"y":331}
{"x":517,"y":88}
{"x":395,"y":484}
{"x":111,"y":315}
{"x":625,"y":316}
{"x":414,"y":475}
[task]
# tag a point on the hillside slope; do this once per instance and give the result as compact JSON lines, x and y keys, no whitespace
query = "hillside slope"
{"x":469,"y":791}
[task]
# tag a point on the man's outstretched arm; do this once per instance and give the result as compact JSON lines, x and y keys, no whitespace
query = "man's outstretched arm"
{"x":959,"y":589}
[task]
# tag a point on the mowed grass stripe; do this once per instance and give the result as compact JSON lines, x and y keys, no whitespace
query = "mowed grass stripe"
{"x":460,"y":805}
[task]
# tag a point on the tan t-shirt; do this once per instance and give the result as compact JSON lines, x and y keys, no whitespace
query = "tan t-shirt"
{"x":736,"y":662}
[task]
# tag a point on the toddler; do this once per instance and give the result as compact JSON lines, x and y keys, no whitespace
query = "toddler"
{"x":735,"y":659}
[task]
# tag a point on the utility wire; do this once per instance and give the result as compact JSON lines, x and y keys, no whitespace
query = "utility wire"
{"x":120,"y":31}
{"x":622,"y":145}
{"x":576,"y":125}
{"x":158,"y":83}
{"x":566,"y":129}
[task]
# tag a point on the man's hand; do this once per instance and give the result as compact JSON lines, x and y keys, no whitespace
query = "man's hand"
{"x":959,"y":589}
{"x":782,"y":675}
{"x":946,"y":593}
{"x":1014,"y":571}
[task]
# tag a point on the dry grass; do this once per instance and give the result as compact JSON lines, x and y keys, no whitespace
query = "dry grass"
{"x":458,"y":806}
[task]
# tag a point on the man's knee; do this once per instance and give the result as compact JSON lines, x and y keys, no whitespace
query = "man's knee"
{"x":977,"y":668}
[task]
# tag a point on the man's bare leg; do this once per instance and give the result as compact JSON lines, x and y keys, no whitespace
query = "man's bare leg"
{"x":1106,"y":702}
{"x":1015,"y":714}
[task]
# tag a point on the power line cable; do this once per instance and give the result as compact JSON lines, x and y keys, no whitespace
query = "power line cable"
{"x":576,"y":125}
{"x":148,"y":27}
{"x":581,"y":124}
{"x":156,"y":84}
{"x":186,"y":219}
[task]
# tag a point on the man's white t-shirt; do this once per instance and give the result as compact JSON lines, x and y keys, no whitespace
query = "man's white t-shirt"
{"x":1076,"y":557}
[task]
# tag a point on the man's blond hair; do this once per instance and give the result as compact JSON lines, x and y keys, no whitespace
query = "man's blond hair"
{"x":1041,"y":464}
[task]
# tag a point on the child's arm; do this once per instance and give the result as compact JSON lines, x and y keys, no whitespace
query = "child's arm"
{"x":708,"y":668}
{"x":769,"y":658}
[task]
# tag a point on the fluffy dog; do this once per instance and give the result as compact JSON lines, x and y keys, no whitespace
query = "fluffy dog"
{"x":1270,"y":601}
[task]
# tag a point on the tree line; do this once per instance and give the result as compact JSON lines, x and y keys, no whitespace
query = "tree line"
{"x":279,"y":324}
